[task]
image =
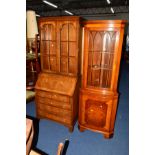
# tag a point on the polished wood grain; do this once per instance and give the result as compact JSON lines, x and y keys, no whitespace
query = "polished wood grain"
{"x":56,"y":98}
{"x":102,"y":47}
{"x":56,"y":83}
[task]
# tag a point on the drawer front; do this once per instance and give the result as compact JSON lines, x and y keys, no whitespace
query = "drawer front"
{"x":54,"y":110}
{"x":51,"y":102}
{"x":53,"y":96}
{"x":51,"y":116}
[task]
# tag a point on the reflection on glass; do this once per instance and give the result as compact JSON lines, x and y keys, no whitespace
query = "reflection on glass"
{"x":100,"y":58}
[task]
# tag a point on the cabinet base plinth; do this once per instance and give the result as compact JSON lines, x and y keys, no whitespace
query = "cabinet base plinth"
{"x":106,"y":135}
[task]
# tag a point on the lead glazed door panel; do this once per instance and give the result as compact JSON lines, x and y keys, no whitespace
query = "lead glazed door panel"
{"x":68,"y":47}
{"x":59,"y":46}
{"x":48,"y":43}
{"x":100,"y":54}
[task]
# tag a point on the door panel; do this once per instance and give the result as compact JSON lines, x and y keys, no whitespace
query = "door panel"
{"x":64,"y":32}
{"x":100,"y":45}
{"x":72,"y":65}
{"x":59,"y":46}
{"x":68,"y":47}
{"x":45,"y":63}
{"x":72,"y":49}
{"x":53,"y":64}
{"x":64,"y":49}
{"x":52,"y":47}
{"x":72,"y":31}
{"x":48,"y":46}
{"x":45,"y":47}
{"x":64,"y":65}
{"x":95,"y":112}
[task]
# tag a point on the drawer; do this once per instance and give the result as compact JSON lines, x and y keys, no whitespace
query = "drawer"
{"x":51,"y":116}
{"x":51,"y":102}
{"x":53,"y":96}
{"x":54,"y":110}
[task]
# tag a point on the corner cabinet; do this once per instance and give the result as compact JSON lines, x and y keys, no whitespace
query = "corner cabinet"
{"x":57,"y":86}
{"x":101,"y":60}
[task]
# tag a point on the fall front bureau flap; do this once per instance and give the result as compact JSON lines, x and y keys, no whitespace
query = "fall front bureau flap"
{"x":60,"y":84}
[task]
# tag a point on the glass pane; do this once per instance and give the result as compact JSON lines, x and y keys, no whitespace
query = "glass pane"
{"x":68,"y":48}
{"x":45,"y":32}
{"x":47,"y":43}
{"x":101,"y":47}
{"x":45,"y":47}
{"x":64,"y":49}
{"x":97,"y":42}
{"x":89,"y":76}
{"x":64,"y":33}
{"x":53,"y":63}
{"x":52,"y":48}
{"x":51,"y":32}
{"x":64,"y":65}
{"x":72,"y":65}
{"x":96,"y":59}
{"x":95,"y":77}
{"x":72,"y":32}
{"x":45,"y":62}
{"x":72,"y":48}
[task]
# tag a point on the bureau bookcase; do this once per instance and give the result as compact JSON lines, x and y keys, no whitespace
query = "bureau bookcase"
{"x":101,"y":60}
{"x":58,"y":83}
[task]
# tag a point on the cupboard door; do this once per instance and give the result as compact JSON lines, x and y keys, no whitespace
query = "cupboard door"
{"x":101,"y":52}
{"x":53,"y":63}
{"x":72,"y":65}
{"x":45,"y":63}
{"x":94,"y":112}
{"x":68,"y":47}
{"x":48,"y":46}
{"x":64,"y":65}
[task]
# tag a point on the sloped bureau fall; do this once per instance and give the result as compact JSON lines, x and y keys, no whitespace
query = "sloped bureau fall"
{"x":98,"y":95}
{"x":58,"y":83}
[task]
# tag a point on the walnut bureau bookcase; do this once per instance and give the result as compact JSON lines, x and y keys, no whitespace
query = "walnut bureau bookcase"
{"x":101,"y":60}
{"x":58,"y":83}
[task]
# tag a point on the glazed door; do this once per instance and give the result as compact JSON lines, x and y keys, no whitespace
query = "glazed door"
{"x":68,"y":47}
{"x":100,"y":51}
{"x":48,"y":46}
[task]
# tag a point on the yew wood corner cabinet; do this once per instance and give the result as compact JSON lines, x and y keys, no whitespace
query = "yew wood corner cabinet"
{"x":58,"y":83}
{"x":101,"y":61}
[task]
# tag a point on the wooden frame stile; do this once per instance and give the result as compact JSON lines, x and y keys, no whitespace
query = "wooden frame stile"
{"x":119,"y":48}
